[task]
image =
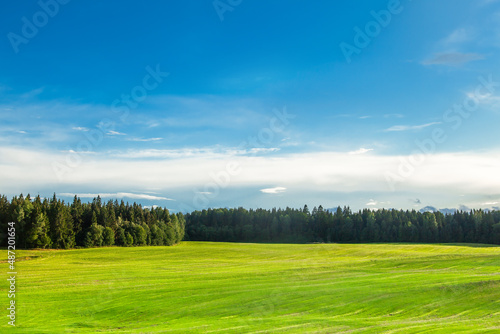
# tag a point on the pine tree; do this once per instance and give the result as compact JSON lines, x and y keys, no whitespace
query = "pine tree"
{"x":37,"y":236}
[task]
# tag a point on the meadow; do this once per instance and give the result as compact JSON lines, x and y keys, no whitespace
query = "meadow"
{"x":202,"y":287}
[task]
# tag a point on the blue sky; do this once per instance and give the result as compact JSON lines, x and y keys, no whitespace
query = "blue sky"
{"x":194,"y":104}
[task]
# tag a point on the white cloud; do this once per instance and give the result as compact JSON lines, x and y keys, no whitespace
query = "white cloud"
{"x":115,"y":133}
{"x":410,"y":127}
{"x":144,"y":139}
{"x":373,"y":202}
{"x":152,"y":124}
{"x":168,"y":154}
{"x":257,"y":150}
{"x":151,"y":207}
{"x":288,"y":143}
{"x":209,"y":152}
{"x":275,"y":190}
{"x":471,"y":173}
{"x":80,"y":128}
{"x":452,"y":58}
{"x":79,"y":152}
{"x":488,"y":100}
{"x":118,"y":195}
{"x":361,"y":151}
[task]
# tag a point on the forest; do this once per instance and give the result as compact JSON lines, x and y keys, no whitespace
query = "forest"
{"x":44,"y":223}
{"x":52,"y":223}
{"x":342,"y":225}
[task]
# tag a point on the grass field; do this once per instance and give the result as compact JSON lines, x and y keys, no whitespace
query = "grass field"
{"x":199,"y":287}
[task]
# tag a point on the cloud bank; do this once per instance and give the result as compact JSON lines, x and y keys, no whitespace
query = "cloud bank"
{"x":466,"y":172}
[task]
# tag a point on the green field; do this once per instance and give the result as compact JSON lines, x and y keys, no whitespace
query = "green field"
{"x":199,"y":287}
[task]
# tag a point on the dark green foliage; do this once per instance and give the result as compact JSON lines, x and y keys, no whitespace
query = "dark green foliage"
{"x":108,"y":237}
{"x":94,"y":236}
{"x":139,"y":235}
{"x":129,"y":240}
{"x":54,"y":224}
{"x":342,"y":225}
{"x":120,"y":238}
{"x":61,"y":224}
{"x":37,"y":236}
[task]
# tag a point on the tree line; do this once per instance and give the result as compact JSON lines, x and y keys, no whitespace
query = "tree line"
{"x":342,"y":225}
{"x":52,"y":223}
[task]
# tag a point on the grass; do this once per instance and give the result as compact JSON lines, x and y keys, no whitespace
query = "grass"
{"x":199,"y":287}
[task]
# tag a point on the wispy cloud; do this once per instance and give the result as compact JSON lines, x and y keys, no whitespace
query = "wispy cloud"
{"x":208,"y":152}
{"x":118,"y":195}
{"x":80,"y":128}
{"x":488,"y":100}
{"x":79,"y":152}
{"x":275,"y":190}
{"x":361,"y":151}
{"x":257,"y":150}
{"x":393,"y":115}
{"x":166,"y":154}
{"x":451,"y":48}
{"x":144,"y":139}
{"x":33,"y":93}
{"x":457,"y":37}
{"x":452,"y":58}
{"x":204,"y":111}
{"x":410,"y":127}
{"x":373,"y":202}
{"x":115,"y":133}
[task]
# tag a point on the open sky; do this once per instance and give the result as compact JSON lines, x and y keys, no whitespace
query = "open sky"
{"x":194,"y":104}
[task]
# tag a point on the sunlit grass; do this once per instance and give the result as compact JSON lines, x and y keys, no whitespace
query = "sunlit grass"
{"x":199,"y":287}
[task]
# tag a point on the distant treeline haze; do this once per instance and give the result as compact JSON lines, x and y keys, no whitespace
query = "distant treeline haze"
{"x":52,"y":223}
